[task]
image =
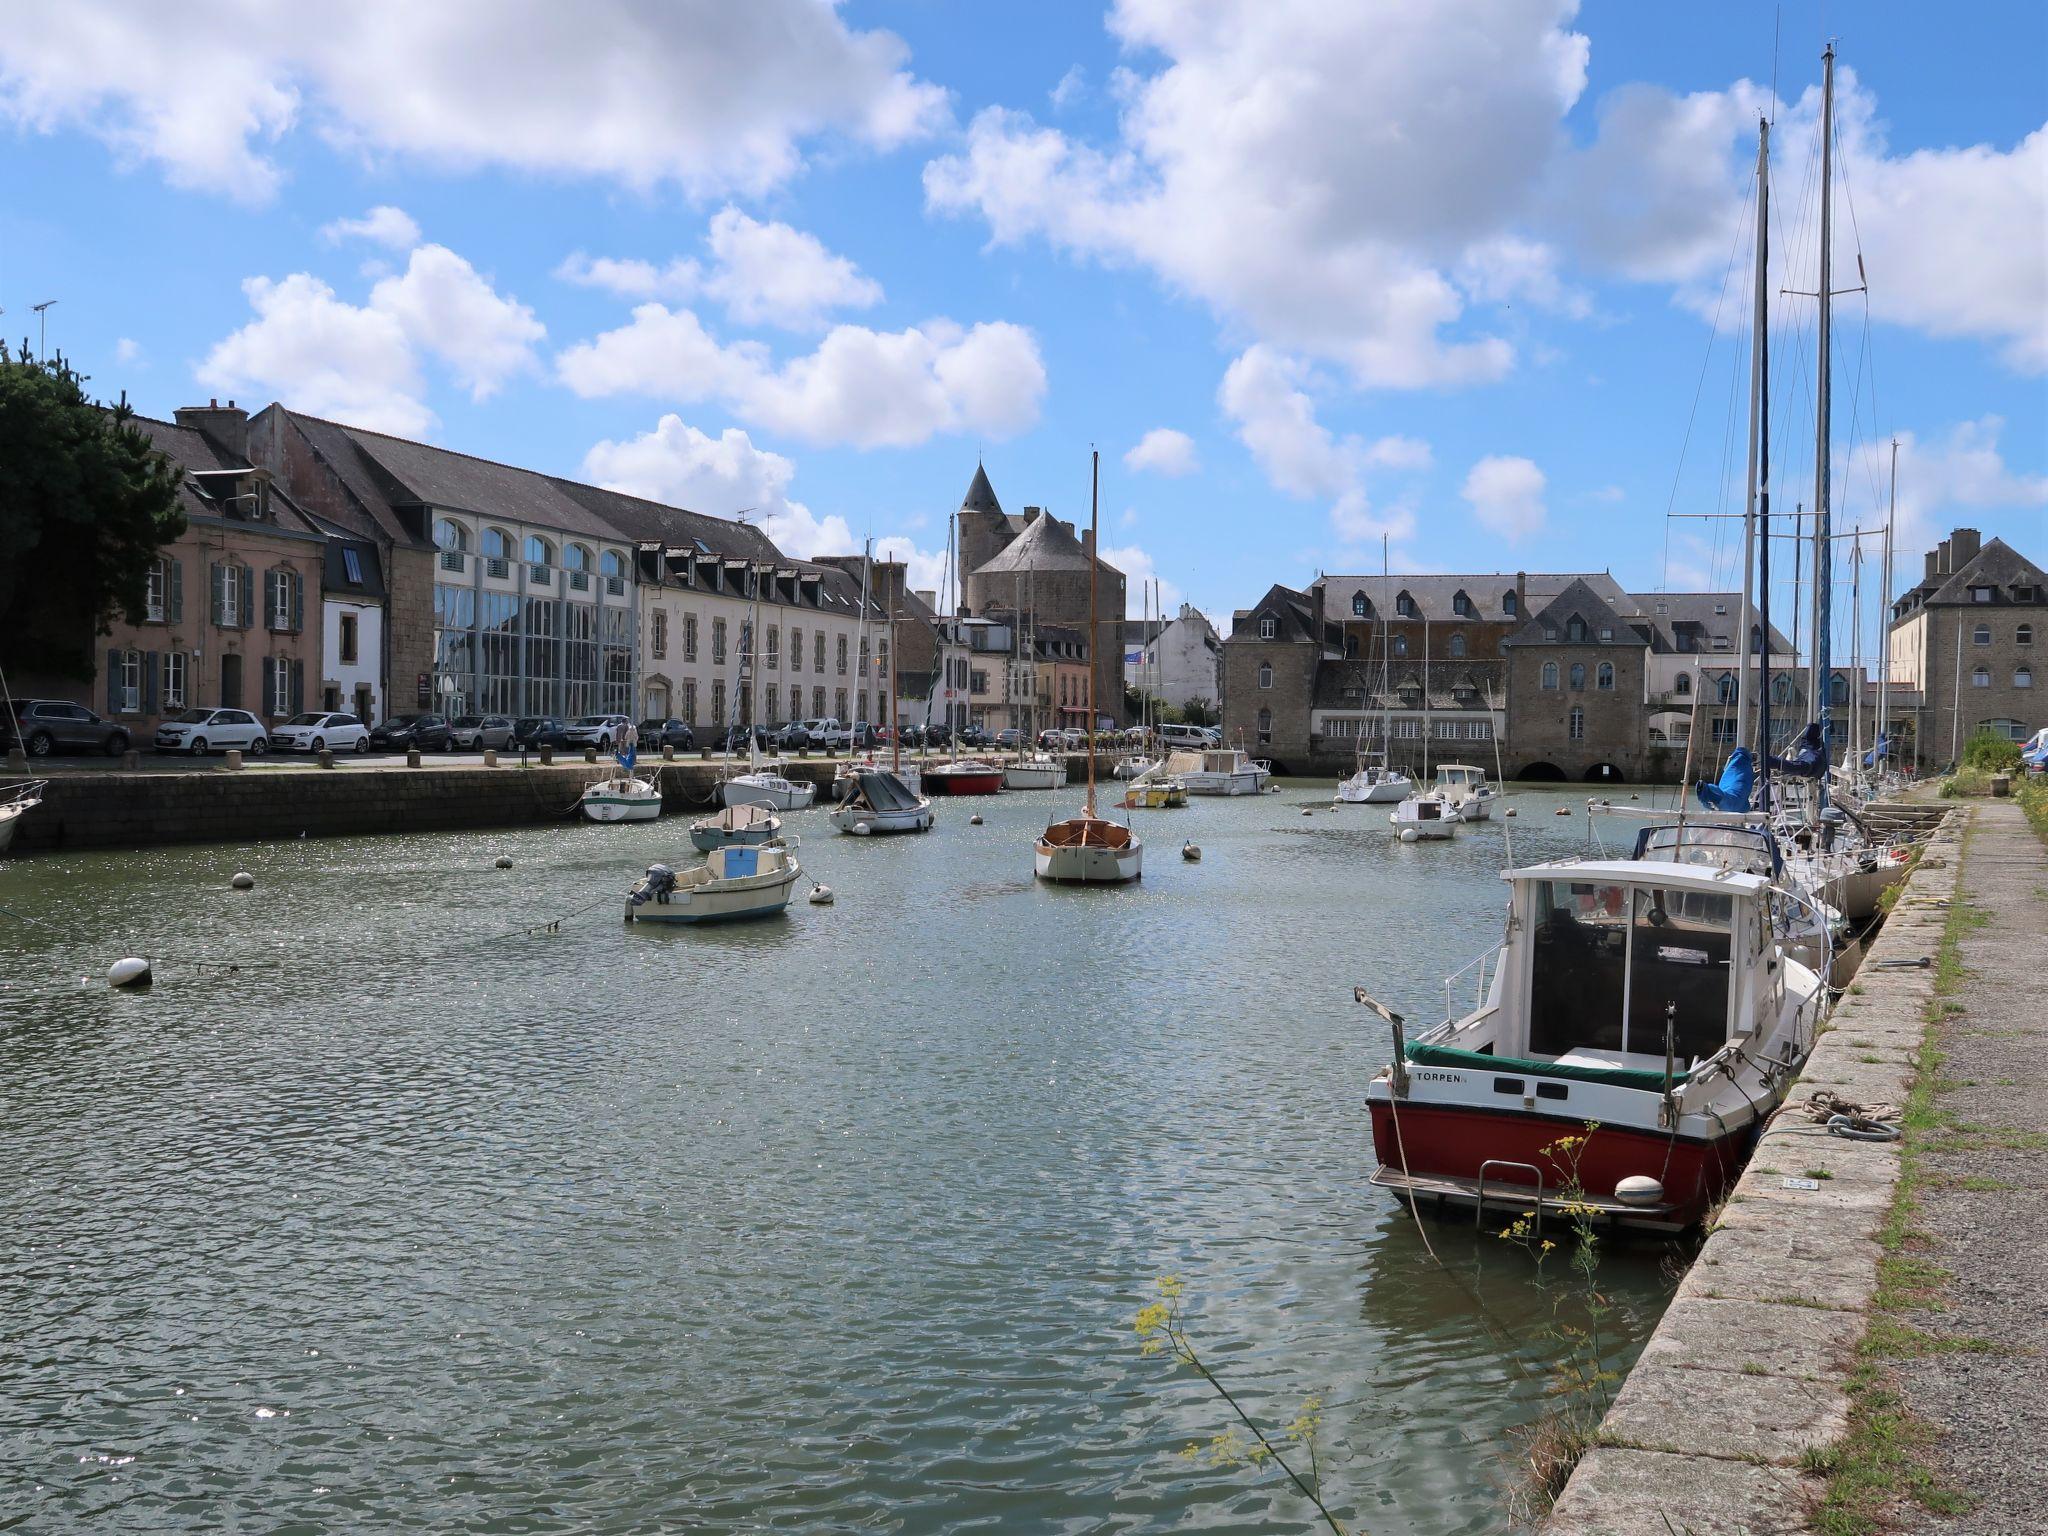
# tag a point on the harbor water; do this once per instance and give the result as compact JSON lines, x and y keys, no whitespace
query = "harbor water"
{"x":413,"y":1220}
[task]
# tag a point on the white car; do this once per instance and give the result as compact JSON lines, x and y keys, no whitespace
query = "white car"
{"x":319,"y":731}
{"x":200,"y":731}
{"x":599,"y":731}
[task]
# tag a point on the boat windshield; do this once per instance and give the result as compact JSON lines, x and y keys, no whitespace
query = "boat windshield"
{"x":1748,"y":849}
{"x":1612,"y":963}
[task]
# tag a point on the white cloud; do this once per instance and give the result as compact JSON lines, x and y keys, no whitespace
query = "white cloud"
{"x":1310,"y":171}
{"x":1069,"y":89}
{"x":1139,"y":570}
{"x":361,"y":363}
{"x":1510,"y":270}
{"x":324,"y":355}
{"x":129,"y":351}
{"x":703,"y":94}
{"x":723,"y":476}
{"x":1164,"y":451}
{"x":383,"y":225}
{"x":1940,"y":480}
{"x":1506,"y":494}
{"x":761,"y":273}
{"x":863,"y":387}
{"x":631,"y":278}
{"x":1609,"y":495}
{"x":1409,"y":453}
{"x":925,"y":569}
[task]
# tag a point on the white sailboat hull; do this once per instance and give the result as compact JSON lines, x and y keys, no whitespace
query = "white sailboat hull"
{"x":1037,"y":775}
{"x":1245,"y":781}
{"x":1089,"y":865}
{"x":771,"y":790}
{"x":622,"y":800}
{"x":1388,"y":791}
{"x":861,"y":821}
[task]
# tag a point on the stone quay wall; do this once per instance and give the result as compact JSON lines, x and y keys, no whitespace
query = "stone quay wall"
{"x":1748,"y":1371}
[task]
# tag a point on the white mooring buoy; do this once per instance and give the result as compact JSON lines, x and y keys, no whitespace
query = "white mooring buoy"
{"x":1191,"y":853}
{"x":1306,"y":811}
{"x":974,"y":820}
{"x":1509,"y":811}
{"x":243,"y":880}
{"x":504,"y":861}
{"x":131,"y":972}
{"x":1409,"y":834}
{"x":1639,"y":1189}
{"x":821,"y":896}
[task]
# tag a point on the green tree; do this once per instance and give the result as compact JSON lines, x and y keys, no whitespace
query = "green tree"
{"x":1198,"y":712}
{"x":85,"y":504}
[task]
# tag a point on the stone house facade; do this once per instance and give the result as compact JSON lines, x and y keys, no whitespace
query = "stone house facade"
{"x":1270,"y":663}
{"x":1175,"y":660}
{"x":1967,"y":640}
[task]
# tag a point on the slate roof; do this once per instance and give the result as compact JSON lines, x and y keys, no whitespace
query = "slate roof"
{"x":197,"y":452}
{"x":1293,"y":613}
{"x":1580,"y":598}
{"x":1997,"y":564}
{"x":1047,"y":544}
{"x":1671,"y":614}
{"x":1487,"y":592}
{"x":644,"y":521}
{"x":441,"y":477}
{"x":981,"y":496}
{"x":336,"y":578}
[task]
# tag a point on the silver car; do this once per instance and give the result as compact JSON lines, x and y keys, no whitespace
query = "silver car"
{"x":200,"y":731}
{"x":476,"y":732}
{"x":321,"y":731}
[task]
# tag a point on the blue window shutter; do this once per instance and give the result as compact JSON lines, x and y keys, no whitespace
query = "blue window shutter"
{"x":113,"y":682}
{"x":174,"y":589}
{"x":220,"y":592}
{"x":298,"y":601}
{"x":248,"y":593}
{"x":298,"y":685}
{"x":149,"y":682}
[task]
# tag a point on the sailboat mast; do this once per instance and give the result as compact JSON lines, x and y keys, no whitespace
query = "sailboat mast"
{"x":1761,"y":320}
{"x":1763,"y":459}
{"x":1884,"y":617}
{"x":1094,"y":621}
{"x":1823,"y":549}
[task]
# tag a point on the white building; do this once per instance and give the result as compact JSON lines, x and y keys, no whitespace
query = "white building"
{"x":1175,"y":660}
{"x":352,"y":630}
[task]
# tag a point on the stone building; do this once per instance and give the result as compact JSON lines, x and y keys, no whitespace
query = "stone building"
{"x":1040,"y":566}
{"x":1271,"y":659}
{"x":234,"y":609}
{"x":924,"y":657}
{"x":1965,"y":641}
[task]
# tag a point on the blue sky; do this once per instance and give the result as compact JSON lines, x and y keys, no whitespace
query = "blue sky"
{"x":1446,"y":273}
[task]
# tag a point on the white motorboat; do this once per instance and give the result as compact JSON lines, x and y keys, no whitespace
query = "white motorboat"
{"x":1424,"y":817}
{"x":1157,"y":790}
{"x":1649,"y":1002}
{"x":767,"y":787}
{"x":16,"y":803}
{"x":1375,"y":784}
{"x":1040,"y":770}
{"x":735,"y":826}
{"x":880,"y":803}
{"x":731,"y":883}
{"x":1220,"y":771}
{"x":1463,"y":787}
{"x":623,"y":797}
{"x":1135,"y":766}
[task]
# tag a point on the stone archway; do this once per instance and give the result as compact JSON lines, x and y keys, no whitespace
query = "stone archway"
{"x":1541,"y":773}
{"x":1605,"y":773}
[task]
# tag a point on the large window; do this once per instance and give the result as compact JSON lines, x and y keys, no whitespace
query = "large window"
{"x":2023,"y":677}
{"x":841,"y":654}
{"x":718,"y":705}
{"x":615,"y":633}
{"x":817,"y":701}
{"x":1575,"y":630}
{"x":769,"y":702}
{"x":283,"y":596}
{"x":839,"y":704}
{"x":1578,"y":677}
{"x":455,"y":660}
{"x":796,"y":650}
{"x":818,"y":652}
{"x":1577,"y":724}
{"x":1684,"y":684}
{"x":1981,"y":678}
{"x":125,"y":686}
{"x":347,"y":628}
{"x":1358,"y":606}
{"x":543,"y":645}
{"x":540,"y":560}
{"x":774,"y":648}
{"x":613,"y":570}
{"x":1457,"y":645}
{"x":173,"y":681}
{"x":1266,"y":628}
{"x":2024,"y":635}
{"x":690,"y":638}
{"x":689,"y":701}
{"x":450,"y":535}
{"x":156,"y":584}
{"x":657,"y":635}
{"x":498,"y":637}
{"x":1509,"y":605}
{"x":718,"y":642}
{"x":1265,"y":674}
{"x":2011,"y":730}
{"x":1550,"y":674}
{"x":1612,"y":968}
{"x":1604,"y":677}
{"x":579,"y":659}
{"x":497,"y":544}
{"x":1981,"y":635}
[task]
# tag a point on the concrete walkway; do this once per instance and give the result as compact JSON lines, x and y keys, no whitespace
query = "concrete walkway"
{"x":1986,"y":1208}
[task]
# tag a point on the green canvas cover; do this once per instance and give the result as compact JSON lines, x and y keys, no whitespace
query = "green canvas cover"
{"x":1614,"y":1077}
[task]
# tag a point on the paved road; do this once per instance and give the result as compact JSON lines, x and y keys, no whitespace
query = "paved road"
{"x":1993,"y":1238}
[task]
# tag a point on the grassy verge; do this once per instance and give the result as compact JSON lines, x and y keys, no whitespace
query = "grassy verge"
{"x":2032,"y":794}
{"x":1880,"y":1464}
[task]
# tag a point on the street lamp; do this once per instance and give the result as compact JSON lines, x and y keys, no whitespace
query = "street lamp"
{"x":43,"y":327}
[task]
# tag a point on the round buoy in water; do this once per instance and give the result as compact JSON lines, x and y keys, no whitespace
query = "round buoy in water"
{"x":1409,"y":834}
{"x":504,"y":861}
{"x":1509,"y":811}
{"x":1639,"y":1189}
{"x":861,"y":829}
{"x":821,"y":896}
{"x":974,"y":820}
{"x":243,"y":881}
{"x":1191,"y":853}
{"x":132,"y":972}
{"x":1564,"y":810}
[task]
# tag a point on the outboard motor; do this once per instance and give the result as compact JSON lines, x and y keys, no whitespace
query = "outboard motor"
{"x":655,"y":885}
{"x":1831,"y":821}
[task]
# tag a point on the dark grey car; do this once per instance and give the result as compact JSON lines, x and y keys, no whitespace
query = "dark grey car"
{"x":43,"y":726}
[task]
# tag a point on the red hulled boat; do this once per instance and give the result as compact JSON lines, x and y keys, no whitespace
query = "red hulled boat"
{"x":961,"y":778}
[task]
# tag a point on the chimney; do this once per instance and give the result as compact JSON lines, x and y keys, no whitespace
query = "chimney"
{"x":1947,"y":550}
{"x":1964,"y":544}
{"x":1521,"y":596}
{"x":929,"y":597}
{"x":227,"y":425}
{"x":1933,"y":565}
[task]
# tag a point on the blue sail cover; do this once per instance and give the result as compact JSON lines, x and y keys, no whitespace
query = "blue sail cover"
{"x":1808,"y":758}
{"x":1881,"y":750}
{"x":626,"y":757}
{"x":1738,"y":779}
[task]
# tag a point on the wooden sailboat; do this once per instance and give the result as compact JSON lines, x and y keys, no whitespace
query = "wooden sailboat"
{"x":1086,"y":849}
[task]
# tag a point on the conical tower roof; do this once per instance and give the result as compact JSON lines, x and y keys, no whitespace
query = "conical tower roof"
{"x":1045,"y":545}
{"x":981,"y":496}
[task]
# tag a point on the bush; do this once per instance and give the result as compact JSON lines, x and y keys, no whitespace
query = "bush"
{"x":1992,"y":753}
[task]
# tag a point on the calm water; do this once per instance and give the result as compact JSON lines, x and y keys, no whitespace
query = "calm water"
{"x":831,"y":1223}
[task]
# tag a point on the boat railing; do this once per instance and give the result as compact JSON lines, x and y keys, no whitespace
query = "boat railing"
{"x":30,"y":792}
{"x":1480,"y":969}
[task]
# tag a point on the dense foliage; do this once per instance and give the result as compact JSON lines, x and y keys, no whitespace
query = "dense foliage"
{"x":1992,"y":753}
{"x":85,"y":504}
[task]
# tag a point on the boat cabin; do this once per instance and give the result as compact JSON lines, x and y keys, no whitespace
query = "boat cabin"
{"x":1605,"y":960}
{"x":1750,"y":847}
{"x":1459,"y":778}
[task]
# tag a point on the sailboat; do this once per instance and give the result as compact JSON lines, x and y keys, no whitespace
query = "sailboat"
{"x":1086,"y":849}
{"x":1378,"y":783}
{"x":1425,"y":815}
{"x":764,"y":782}
{"x":1034,"y":767}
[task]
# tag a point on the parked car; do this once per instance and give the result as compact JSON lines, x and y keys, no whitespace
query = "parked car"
{"x":864,"y":737}
{"x":973,"y":736}
{"x":319,"y":731}
{"x":735,"y":739}
{"x":410,"y":733}
{"x":200,"y":731}
{"x":656,"y":734}
{"x":599,"y":731}
{"x":476,"y":732}
{"x":540,"y":731}
{"x":43,"y":726}
{"x":937,"y":734}
{"x":1009,"y":738}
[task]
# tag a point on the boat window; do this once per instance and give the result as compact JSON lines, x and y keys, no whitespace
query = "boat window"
{"x":1680,"y":972}
{"x":1579,"y":973}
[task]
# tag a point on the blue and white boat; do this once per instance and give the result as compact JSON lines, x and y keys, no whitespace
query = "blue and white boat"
{"x":731,"y":884}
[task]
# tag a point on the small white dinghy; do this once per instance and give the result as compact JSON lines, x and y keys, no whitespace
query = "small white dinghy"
{"x":1040,"y":770}
{"x":734,"y":827}
{"x":731,"y":883}
{"x":768,"y":788}
{"x":622,"y":798}
{"x":1423,"y":818}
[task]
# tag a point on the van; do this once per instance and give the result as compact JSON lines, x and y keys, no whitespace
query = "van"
{"x":1190,"y":738}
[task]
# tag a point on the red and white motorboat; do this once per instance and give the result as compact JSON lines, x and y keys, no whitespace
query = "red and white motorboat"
{"x":965,"y":777}
{"x":1649,"y":998}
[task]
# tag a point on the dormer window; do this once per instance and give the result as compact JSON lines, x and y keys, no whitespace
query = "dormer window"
{"x":1575,"y":631}
{"x":1980,"y":594}
{"x":1267,"y":627}
{"x":1606,"y":633}
{"x":1404,"y":605}
{"x":1461,"y":605}
{"x":1358,"y":605}
{"x":1508,"y":605}
{"x":1720,"y":610}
